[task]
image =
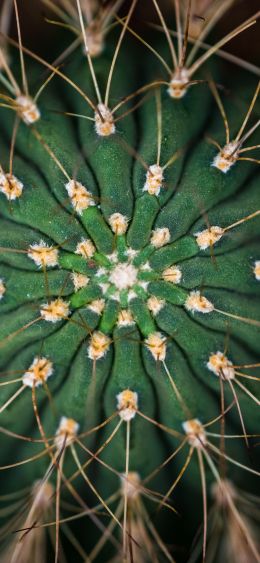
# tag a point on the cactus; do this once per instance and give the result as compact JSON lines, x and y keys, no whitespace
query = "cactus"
{"x":129,"y":278}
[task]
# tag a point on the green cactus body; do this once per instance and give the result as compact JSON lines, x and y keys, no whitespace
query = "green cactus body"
{"x":129,"y":288}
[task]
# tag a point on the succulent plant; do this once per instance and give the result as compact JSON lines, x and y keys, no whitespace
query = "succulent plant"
{"x":129,"y":285}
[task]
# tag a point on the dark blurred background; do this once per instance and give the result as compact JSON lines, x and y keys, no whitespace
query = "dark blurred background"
{"x":37,"y":32}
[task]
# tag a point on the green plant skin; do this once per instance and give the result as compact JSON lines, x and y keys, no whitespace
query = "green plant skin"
{"x":116,"y":179}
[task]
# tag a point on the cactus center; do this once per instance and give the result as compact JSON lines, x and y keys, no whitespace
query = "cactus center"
{"x":120,"y":278}
{"x":123,"y":276}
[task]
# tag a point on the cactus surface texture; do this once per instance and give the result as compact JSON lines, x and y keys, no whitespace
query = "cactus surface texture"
{"x":129,"y":285}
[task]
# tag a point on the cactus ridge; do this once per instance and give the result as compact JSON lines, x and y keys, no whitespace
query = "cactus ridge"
{"x":129,"y":284}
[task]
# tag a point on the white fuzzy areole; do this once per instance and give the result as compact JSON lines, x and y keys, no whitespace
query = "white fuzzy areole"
{"x":154,"y":180}
{"x":66,"y":431}
{"x":97,"y":306}
{"x":155,"y":304}
{"x":85,"y":248}
{"x":79,"y":280}
{"x":160,"y":237}
{"x":105,"y":126}
{"x":195,"y":432}
{"x":2,"y":289}
{"x":38,"y":372}
{"x":257,"y":270}
{"x":156,"y":343}
{"x":179,"y":83}
{"x":123,"y":276}
{"x":125,"y":318}
{"x":43,"y":255}
{"x":10,"y":186}
{"x":221,"y":366}
{"x":27,"y":109}
{"x":131,"y":295}
{"x":80,"y":197}
{"x":55,"y":310}
{"x":227,"y":157}
{"x":208,"y":237}
{"x":172,"y":275}
{"x":131,"y":253}
{"x":197,"y":303}
{"x":127,"y":404}
{"x":118,"y":223}
{"x":98,"y":346}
